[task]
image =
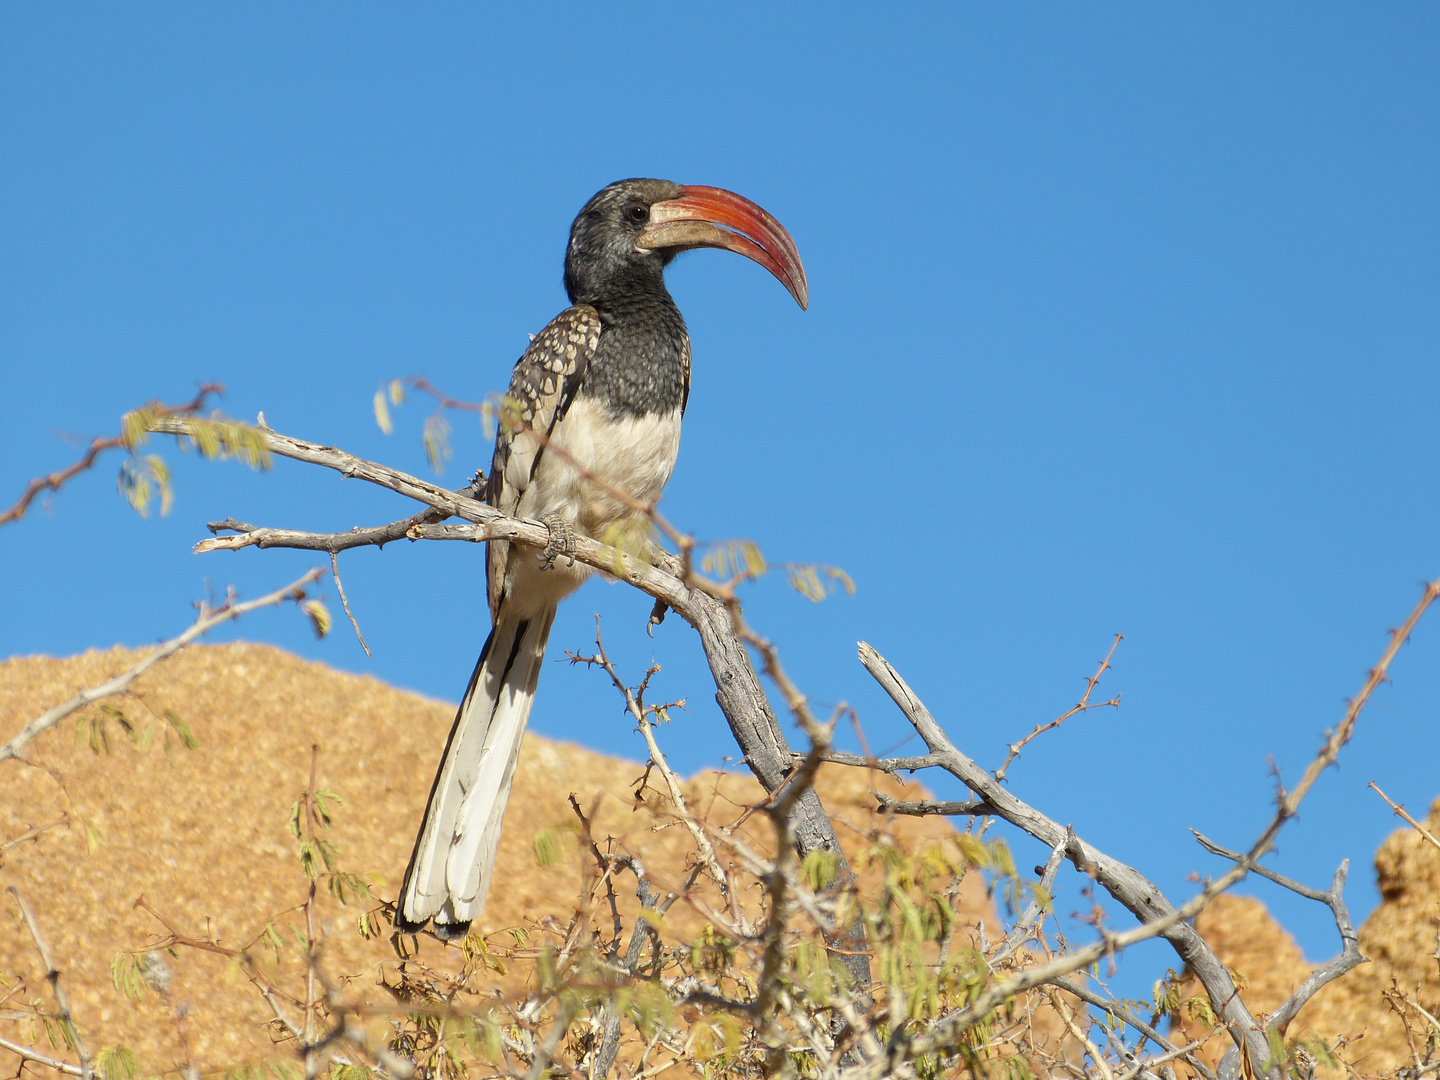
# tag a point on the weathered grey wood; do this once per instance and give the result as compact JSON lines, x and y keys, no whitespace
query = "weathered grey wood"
{"x":1126,"y":884}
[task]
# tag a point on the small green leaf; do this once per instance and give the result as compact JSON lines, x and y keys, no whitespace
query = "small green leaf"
{"x":547,"y":847}
{"x":117,"y":1063}
{"x":182,"y":729}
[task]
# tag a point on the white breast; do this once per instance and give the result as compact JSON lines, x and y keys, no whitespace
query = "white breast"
{"x":632,"y":454}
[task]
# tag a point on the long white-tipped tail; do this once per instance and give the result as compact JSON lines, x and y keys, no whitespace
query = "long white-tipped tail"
{"x":454,"y":858}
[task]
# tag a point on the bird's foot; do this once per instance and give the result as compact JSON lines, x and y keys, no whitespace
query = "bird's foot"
{"x":561,"y":541}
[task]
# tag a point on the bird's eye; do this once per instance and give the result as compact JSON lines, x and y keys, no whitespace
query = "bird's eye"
{"x":639,"y":214}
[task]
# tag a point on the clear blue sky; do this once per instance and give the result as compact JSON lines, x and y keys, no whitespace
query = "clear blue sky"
{"x":1124,"y":319}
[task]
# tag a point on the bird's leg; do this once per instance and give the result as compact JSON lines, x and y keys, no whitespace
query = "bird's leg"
{"x":561,"y":541}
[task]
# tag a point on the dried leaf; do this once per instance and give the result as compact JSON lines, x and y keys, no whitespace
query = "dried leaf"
{"x":319,"y":616}
{"x":436,"y":437}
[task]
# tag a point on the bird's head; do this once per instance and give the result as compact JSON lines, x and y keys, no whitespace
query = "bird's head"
{"x":627,"y":232}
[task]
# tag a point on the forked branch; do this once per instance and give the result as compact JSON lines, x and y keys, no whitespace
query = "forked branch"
{"x":1157,"y":916}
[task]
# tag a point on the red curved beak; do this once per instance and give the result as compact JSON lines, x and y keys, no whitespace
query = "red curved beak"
{"x":714,"y":217}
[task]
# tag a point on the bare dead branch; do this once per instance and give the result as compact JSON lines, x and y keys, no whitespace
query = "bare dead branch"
{"x":25,"y":1053}
{"x":208,"y":619}
{"x":332,"y":543}
{"x":923,"y":807}
{"x":52,"y":976}
{"x":1297,"y":887}
{"x":1334,"y":899}
{"x":1349,"y":957}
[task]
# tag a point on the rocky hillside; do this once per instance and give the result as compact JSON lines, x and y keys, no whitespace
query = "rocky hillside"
{"x":116,"y":834}
{"x":202,"y":835}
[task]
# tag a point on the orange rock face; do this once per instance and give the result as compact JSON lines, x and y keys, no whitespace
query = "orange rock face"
{"x":1399,"y":938}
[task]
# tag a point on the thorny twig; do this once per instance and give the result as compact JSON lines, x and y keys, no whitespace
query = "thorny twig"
{"x":1082,"y":705}
{"x":639,"y":714}
{"x":1400,"y":812}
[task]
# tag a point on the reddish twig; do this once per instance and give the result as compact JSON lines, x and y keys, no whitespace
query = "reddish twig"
{"x":98,"y":446}
{"x":1083,"y":705}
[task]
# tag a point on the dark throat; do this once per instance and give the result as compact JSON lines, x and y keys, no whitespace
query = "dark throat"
{"x":642,"y":363}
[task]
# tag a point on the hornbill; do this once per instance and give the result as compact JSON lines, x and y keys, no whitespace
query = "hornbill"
{"x":594,"y":403}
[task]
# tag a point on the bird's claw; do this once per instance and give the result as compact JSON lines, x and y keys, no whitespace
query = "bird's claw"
{"x":560,"y":542}
{"x":657,"y":616}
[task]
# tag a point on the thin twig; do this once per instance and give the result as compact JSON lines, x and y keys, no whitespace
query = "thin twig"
{"x":98,"y":446}
{"x":1067,"y":1017}
{"x":27,"y":1054}
{"x":677,"y":796}
{"x":1187,"y":1051}
{"x":208,"y":619}
{"x":310,"y":943}
{"x":52,"y":975}
{"x":1035,"y":910}
{"x":345,"y":603}
{"x":445,"y":401}
{"x":1081,"y":706}
{"x":1400,"y":811}
{"x":1087,"y":995}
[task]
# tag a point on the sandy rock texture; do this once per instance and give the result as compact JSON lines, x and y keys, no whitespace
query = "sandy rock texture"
{"x":202,"y":834}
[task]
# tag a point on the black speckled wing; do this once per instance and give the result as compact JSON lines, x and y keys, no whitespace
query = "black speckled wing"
{"x":542,"y":387}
